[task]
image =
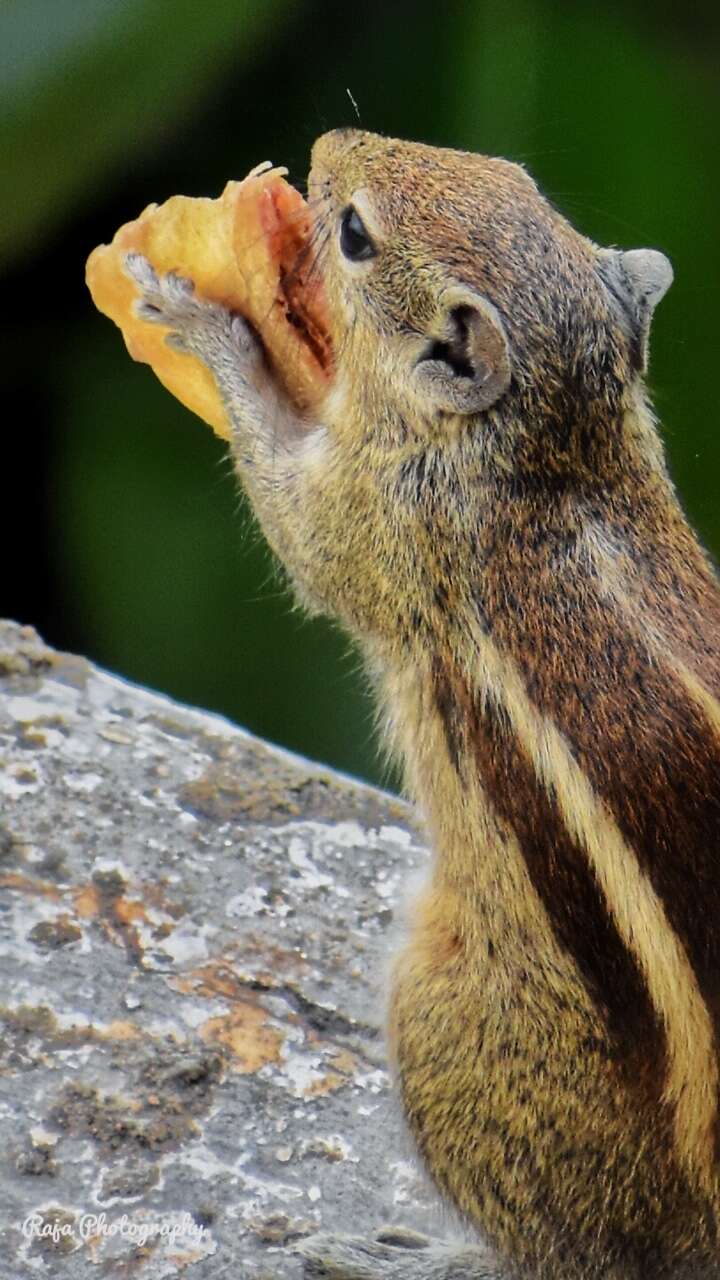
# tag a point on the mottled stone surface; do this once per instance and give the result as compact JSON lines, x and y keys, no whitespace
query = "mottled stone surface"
{"x":194,"y":932}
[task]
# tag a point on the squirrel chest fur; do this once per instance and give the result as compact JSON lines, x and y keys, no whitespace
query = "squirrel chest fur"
{"x":483,"y":503}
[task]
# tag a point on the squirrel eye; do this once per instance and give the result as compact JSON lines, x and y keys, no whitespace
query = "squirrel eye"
{"x":354,"y":239}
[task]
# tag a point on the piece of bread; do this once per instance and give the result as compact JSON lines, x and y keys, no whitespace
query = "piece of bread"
{"x":251,"y":250}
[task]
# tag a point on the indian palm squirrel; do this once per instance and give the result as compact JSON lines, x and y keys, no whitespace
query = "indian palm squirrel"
{"x":483,"y":502}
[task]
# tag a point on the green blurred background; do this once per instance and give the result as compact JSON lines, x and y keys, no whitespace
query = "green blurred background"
{"x":125,"y":536}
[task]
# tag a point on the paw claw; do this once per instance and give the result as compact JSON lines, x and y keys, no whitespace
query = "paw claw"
{"x":178,"y":287}
{"x":147,"y":310}
{"x":243,"y":334}
{"x":402,"y":1237}
{"x":140,"y":270}
{"x":177,"y":342}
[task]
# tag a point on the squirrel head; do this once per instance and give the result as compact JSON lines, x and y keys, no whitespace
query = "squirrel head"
{"x":485,"y":353}
{"x":457,"y":290}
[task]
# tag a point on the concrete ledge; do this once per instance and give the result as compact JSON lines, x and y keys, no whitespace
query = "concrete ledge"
{"x":194,"y":930}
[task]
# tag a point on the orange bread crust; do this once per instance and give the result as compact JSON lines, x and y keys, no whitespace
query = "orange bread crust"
{"x":249,"y":249}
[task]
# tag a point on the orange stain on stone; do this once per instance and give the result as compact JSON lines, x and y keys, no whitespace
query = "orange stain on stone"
{"x":244,"y":1030}
{"x":87,"y":902}
{"x":25,"y":884}
{"x":128,"y":910}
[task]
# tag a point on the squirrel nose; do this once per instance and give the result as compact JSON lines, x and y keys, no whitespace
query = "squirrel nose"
{"x":344,"y":134}
{"x":329,"y":145}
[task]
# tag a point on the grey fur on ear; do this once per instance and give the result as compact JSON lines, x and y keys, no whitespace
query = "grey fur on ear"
{"x":466,"y":366}
{"x":637,"y":279}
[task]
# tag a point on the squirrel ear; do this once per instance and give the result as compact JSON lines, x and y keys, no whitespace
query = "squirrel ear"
{"x":637,"y":280}
{"x":466,"y":368}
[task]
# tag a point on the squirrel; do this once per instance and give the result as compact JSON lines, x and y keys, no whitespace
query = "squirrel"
{"x":482,"y":500}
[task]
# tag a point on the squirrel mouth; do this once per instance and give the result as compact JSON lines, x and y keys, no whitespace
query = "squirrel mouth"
{"x":287,"y":223}
{"x":297,"y":296}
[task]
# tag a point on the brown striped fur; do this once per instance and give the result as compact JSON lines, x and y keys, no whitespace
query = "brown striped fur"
{"x":544,"y":633}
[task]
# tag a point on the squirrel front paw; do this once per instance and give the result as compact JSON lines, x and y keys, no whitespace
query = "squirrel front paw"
{"x":201,"y":328}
